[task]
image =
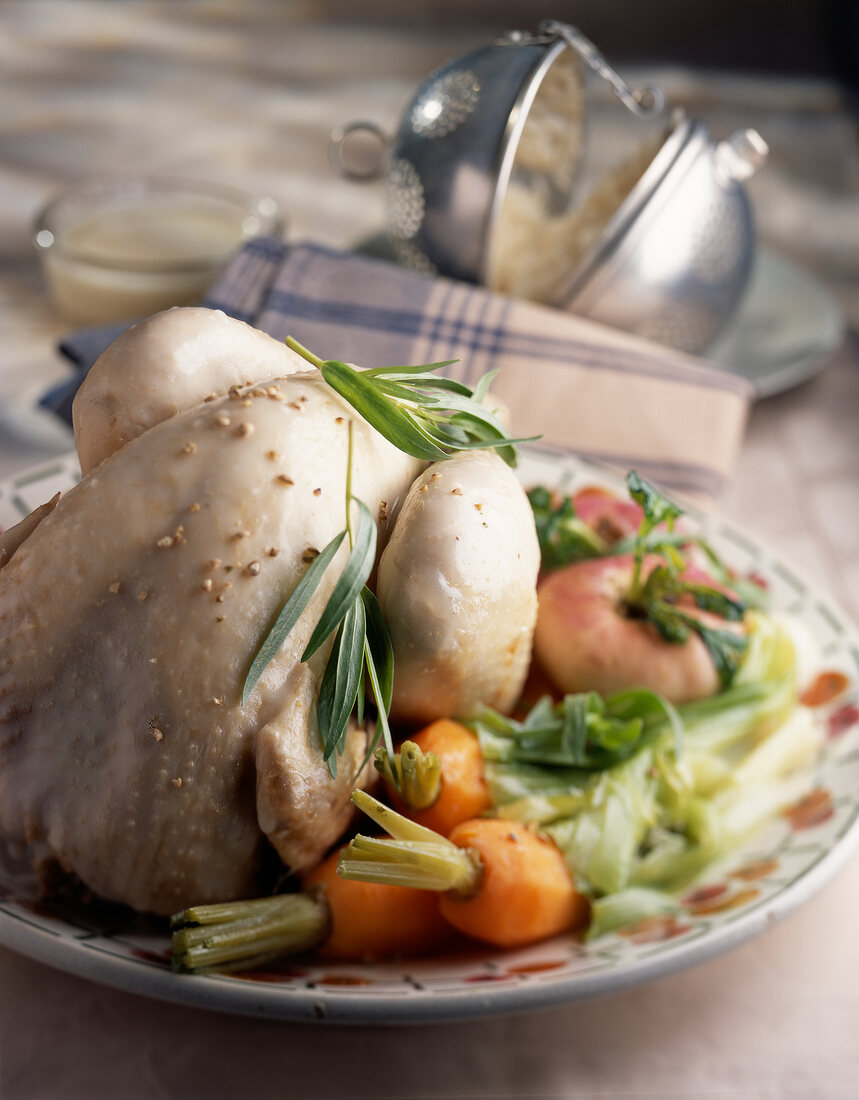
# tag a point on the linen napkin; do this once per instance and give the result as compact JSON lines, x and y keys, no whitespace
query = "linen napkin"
{"x":606,"y":396}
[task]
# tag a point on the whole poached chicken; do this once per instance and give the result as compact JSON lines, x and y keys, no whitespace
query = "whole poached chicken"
{"x":130,"y":614}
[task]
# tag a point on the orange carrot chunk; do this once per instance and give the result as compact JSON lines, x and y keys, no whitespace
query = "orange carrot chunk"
{"x":337,"y":918}
{"x":526,"y":892}
{"x":463,"y":792}
{"x":369,"y":920}
{"x":499,"y":881}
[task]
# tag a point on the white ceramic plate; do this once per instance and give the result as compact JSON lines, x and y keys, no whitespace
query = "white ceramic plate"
{"x":780,"y":868}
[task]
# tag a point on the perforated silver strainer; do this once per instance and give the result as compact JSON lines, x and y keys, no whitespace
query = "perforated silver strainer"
{"x":665,"y":254}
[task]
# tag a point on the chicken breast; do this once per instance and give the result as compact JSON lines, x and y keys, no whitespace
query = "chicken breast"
{"x":167,"y":363}
{"x":457,"y":586}
{"x":129,"y":619}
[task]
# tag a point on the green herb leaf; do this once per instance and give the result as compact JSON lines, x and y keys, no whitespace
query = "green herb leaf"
{"x":397,"y":424}
{"x":341,"y":682}
{"x":483,"y":384}
{"x":657,"y":508}
{"x":427,"y":417}
{"x":584,"y":732}
{"x":670,"y":623}
{"x":726,"y":649}
{"x":381,"y":648}
{"x":353,"y":578}
{"x":409,"y":372}
{"x":574,"y":732}
{"x":383,"y":728}
{"x":657,"y":597}
{"x":562,"y":536}
{"x":362,"y":690}
{"x":719,"y":603}
{"x":290,"y":614}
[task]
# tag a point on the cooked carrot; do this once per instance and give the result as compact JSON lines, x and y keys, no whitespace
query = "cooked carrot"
{"x":526,"y":892}
{"x":500,"y":881}
{"x":462,"y":793}
{"x":336,"y":918}
{"x":371,"y":920}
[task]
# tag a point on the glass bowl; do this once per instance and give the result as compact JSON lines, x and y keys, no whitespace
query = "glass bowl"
{"x":120,"y":249}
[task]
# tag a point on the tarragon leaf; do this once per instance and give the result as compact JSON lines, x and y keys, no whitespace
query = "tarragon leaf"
{"x":408,"y":372}
{"x":425,"y":390}
{"x":290,"y":614}
{"x":349,"y":584}
{"x":574,"y":734}
{"x":381,"y":647}
{"x":341,"y":682}
{"x":383,"y":729}
{"x":408,"y":411}
{"x":671,"y":624}
{"x":483,"y":384}
{"x":397,"y":425}
{"x":582,"y":733}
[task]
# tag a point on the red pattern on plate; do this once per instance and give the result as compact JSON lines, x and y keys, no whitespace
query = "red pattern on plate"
{"x":655,"y":929}
{"x":159,"y":958}
{"x":721,"y":902}
{"x":840,"y":721}
{"x":759,"y":869}
{"x":705,"y":894}
{"x":815,"y":808}
{"x":343,"y":980}
{"x":825,"y":687}
{"x":273,"y":977}
{"x":537,"y":967}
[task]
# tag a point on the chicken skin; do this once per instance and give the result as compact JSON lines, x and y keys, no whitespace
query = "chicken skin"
{"x":129,"y":619}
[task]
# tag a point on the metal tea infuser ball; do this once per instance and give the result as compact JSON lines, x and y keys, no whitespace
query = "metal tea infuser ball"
{"x":669,"y":262}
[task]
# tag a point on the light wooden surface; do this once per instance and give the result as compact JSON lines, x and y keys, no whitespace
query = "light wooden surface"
{"x":247,"y":93}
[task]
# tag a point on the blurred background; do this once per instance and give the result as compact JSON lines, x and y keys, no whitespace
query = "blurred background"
{"x":797,"y":36}
{"x":247,"y":92}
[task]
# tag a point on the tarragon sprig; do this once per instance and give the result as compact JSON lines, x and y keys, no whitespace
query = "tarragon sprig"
{"x":428,"y":417}
{"x":362,"y":645}
{"x":421,"y":413}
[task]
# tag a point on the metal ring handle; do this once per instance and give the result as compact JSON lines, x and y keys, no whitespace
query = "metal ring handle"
{"x":648,"y":99}
{"x":339,"y":160}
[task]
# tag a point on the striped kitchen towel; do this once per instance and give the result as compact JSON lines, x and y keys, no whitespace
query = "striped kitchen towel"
{"x":602,"y":394}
